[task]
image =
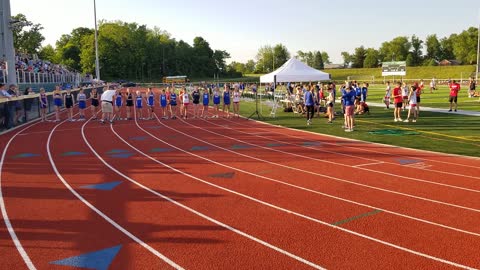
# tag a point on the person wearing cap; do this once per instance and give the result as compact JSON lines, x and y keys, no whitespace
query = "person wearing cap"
{"x":107,"y":104}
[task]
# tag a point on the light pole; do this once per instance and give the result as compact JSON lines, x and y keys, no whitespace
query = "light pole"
{"x":8,"y":51}
{"x":97,"y":62}
{"x":478,"y":52}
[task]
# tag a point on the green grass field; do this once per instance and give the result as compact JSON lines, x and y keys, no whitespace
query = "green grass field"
{"x":455,"y":134}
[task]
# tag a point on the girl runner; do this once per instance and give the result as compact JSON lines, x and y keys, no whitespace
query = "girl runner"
{"x":43,"y":104}
{"x":69,"y":101}
{"x":129,"y":104}
{"x":118,"y":104}
{"x":94,"y":96}
{"x":226,"y":101}
{"x":412,"y":97}
{"x":236,"y":103}
{"x":163,"y":104}
{"x":216,"y":101}
{"x":405,"y":92}
{"x":82,"y":104}
{"x":57,"y":100}
{"x":150,"y":103}
{"x":139,"y":105}
{"x":196,"y":102}
{"x":330,"y":101}
{"x":180,"y":95}
{"x":386,"y":99}
{"x":206,"y":101}
{"x":173,"y":105}
{"x":185,"y":101}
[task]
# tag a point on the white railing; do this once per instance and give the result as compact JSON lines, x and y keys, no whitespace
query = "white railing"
{"x":24,"y":77}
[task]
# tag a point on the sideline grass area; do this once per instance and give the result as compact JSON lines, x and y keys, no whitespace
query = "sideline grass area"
{"x":439,"y":132}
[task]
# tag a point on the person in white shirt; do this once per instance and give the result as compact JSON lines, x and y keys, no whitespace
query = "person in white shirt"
{"x":107,"y":104}
{"x":388,"y":93}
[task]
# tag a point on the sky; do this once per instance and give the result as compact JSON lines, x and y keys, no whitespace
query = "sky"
{"x":242,"y":27}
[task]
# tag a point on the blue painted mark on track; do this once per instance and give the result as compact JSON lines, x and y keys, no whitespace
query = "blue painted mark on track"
{"x":117,"y":151}
{"x":228,"y":175}
{"x":98,"y":260}
{"x":275,"y":145}
{"x":140,"y":138}
{"x":122,"y":155}
{"x":241,"y":146}
{"x":26,"y":155}
{"x":408,"y":161}
{"x":312,"y":144}
{"x":104,"y":186}
{"x":160,"y":150}
{"x":199,"y":148}
{"x":73,"y":154}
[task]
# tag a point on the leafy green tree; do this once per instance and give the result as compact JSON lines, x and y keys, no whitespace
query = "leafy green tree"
{"x":318,"y":60}
{"x":47,"y":53}
{"x":326,"y":58}
{"x":250,"y":66}
{"x":27,"y":38}
{"x":465,"y":46}
{"x":434,"y":48}
{"x":359,"y":57}
{"x":371,"y":59}
{"x":416,"y":54}
{"x":347,"y":59}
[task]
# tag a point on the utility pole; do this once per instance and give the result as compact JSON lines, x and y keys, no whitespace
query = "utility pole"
{"x":478,"y":51}
{"x":97,"y":62}
{"x":8,"y":51}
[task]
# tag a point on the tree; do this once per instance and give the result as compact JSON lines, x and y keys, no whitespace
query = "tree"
{"x":47,"y":53}
{"x":347,"y":59}
{"x":280,"y":55}
{"x":27,"y":38}
{"x":447,"y":47}
{"x":465,"y":46}
{"x":250,"y":67}
{"x":326,"y":58}
{"x":220,"y":57}
{"x":395,"y":50}
{"x":371,"y":59}
{"x":318,"y":60}
{"x":265,"y":59}
{"x":416,"y":53}
{"x":359,"y":57}
{"x":434,"y":48}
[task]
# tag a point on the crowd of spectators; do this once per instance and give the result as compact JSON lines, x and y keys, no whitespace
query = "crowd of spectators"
{"x":33,"y":64}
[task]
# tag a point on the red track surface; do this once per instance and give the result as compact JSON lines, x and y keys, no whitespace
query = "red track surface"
{"x":233,"y":194}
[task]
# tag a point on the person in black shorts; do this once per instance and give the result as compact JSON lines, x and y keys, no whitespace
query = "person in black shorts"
{"x":94,"y":96}
{"x":472,"y":87}
{"x":129,"y":104}
{"x":69,"y":101}
{"x":196,"y":101}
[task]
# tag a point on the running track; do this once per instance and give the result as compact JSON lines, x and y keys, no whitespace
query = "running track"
{"x":230,"y":194}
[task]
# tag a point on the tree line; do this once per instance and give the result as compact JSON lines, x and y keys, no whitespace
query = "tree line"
{"x":126,"y":51}
{"x":416,"y":52}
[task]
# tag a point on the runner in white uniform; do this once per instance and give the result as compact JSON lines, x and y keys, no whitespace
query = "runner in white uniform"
{"x":412,"y":98}
{"x":186,"y":102}
{"x":388,"y":93}
{"x":236,"y":102}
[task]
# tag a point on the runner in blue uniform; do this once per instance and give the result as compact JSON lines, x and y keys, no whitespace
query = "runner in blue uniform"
{"x":43,"y":104}
{"x":163,"y":104}
{"x":226,"y":102}
{"x":139,"y":104}
{"x":118,"y":104}
{"x":216,"y":101}
{"x":57,"y":101}
{"x":206,"y":101}
{"x":82,"y":104}
{"x":150,"y":103}
{"x":173,"y":105}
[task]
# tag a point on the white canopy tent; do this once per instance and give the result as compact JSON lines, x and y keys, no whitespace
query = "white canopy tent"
{"x":295,"y":71}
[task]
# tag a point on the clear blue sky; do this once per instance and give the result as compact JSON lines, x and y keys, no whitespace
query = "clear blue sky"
{"x":241,"y":27}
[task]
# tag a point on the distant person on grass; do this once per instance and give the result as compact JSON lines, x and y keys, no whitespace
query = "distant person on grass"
{"x":405,"y":92}
{"x":454,"y":89}
{"x":386,"y":98}
{"x":419,"y":93}
{"x":309,"y":100}
{"x":471,"y":88}
{"x":398,"y":100}
{"x":349,"y":100}
{"x":433,"y":85}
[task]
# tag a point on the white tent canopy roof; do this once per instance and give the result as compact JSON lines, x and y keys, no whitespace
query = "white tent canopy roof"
{"x":295,"y":71}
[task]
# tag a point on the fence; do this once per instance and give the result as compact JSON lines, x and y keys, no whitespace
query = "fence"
{"x":24,"y":77}
{"x":24,"y":109}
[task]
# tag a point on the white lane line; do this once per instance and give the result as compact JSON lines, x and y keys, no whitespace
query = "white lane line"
{"x":8,"y":224}
{"x":96,"y":210}
{"x":292,"y":185}
{"x":335,"y":163}
{"x":280,"y":208}
{"x":284,"y":252}
{"x":384,"y":146}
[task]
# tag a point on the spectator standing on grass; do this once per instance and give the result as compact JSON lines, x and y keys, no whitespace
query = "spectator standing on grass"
{"x":398,"y":100}
{"x":405,"y":92}
{"x":349,"y":100}
{"x":454,"y":89}
{"x":388,"y":91}
{"x":471,"y":88}
{"x":419,"y":93}
{"x":433,"y":85}
{"x":309,"y":100}
{"x":330,"y":102}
